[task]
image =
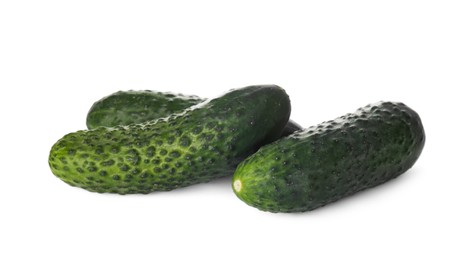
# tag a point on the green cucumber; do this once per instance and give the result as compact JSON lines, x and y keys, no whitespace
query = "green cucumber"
{"x":332,"y":160}
{"x":202,"y":143}
{"x":137,"y":106}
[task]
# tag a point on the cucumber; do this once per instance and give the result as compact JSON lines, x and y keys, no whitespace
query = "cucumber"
{"x":335,"y":159}
{"x":204,"y":142}
{"x":137,"y":106}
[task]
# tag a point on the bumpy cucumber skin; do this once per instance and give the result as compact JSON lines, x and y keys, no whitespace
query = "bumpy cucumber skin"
{"x":332,"y":160}
{"x":198,"y":145}
{"x":138,"y":106}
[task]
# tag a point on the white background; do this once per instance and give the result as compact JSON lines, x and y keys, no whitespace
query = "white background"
{"x":58,"y":57}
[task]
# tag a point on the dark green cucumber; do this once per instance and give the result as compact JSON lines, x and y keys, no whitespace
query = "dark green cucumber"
{"x":137,"y":106}
{"x":202,"y":143}
{"x":335,"y":159}
{"x":290,"y":128}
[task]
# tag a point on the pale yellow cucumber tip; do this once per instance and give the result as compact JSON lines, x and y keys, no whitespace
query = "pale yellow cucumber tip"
{"x":237,"y":185}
